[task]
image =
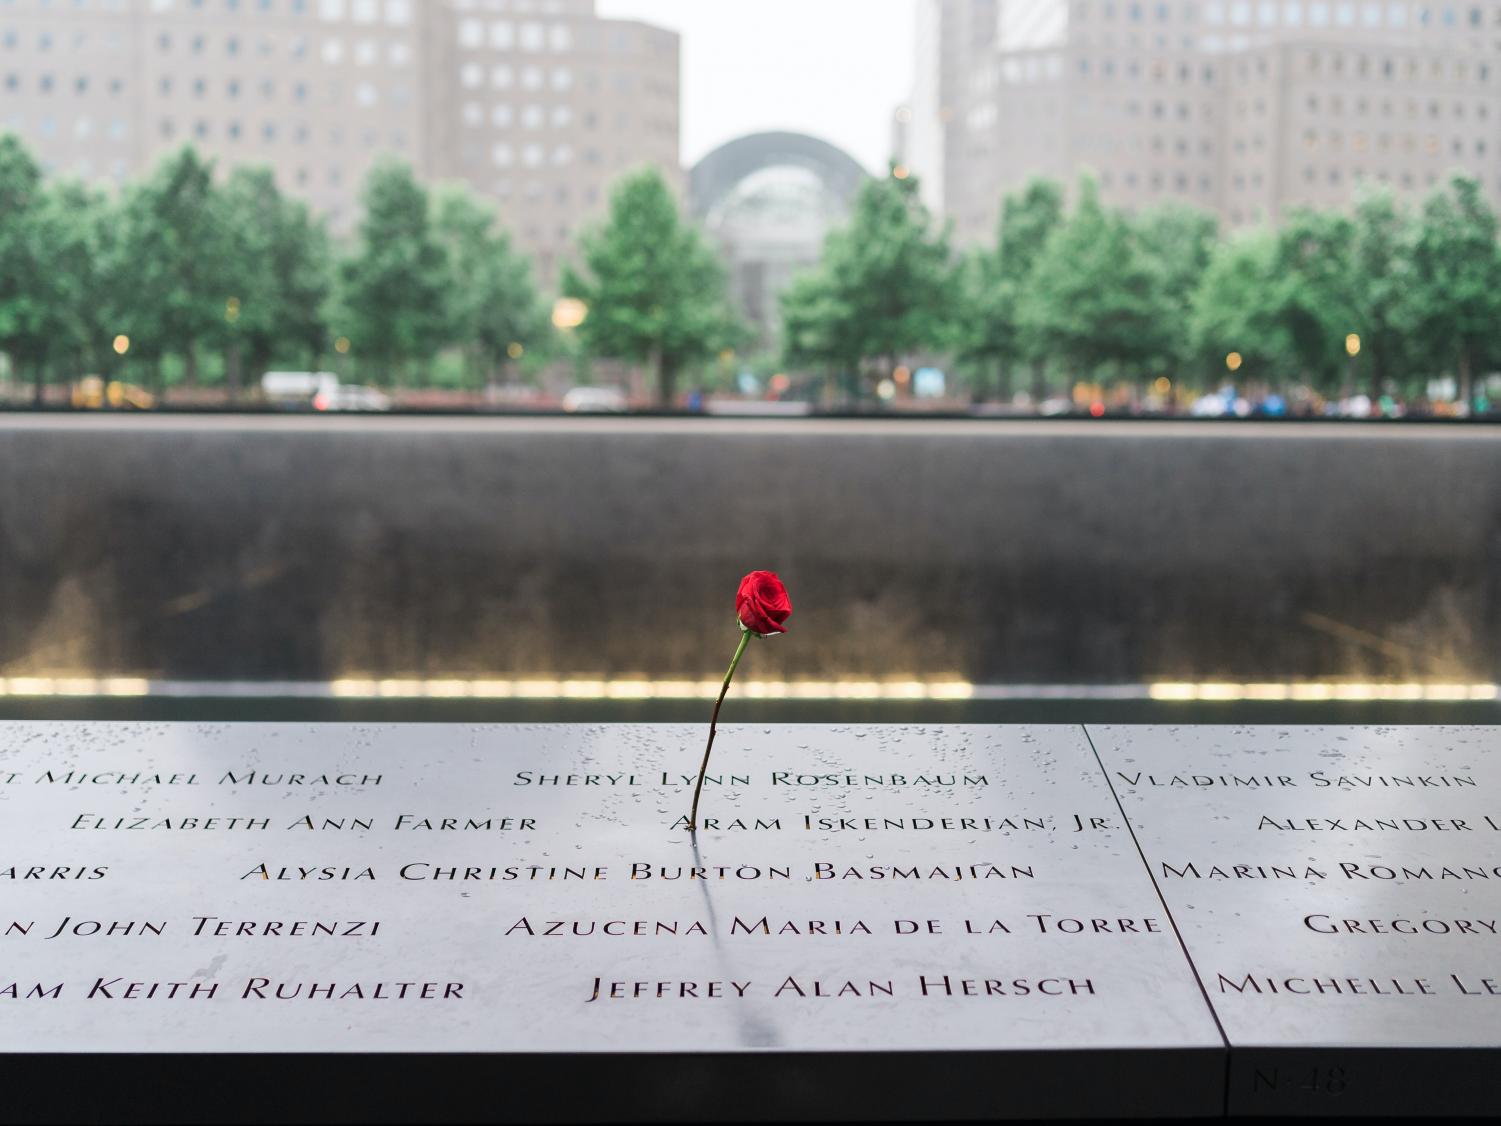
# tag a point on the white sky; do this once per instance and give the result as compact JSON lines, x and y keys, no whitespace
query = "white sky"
{"x":832,"y":68}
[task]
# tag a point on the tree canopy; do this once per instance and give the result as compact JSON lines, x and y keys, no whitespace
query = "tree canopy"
{"x":885,"y":286}
{"x":653,"y":288}
{"x":197,"y":275}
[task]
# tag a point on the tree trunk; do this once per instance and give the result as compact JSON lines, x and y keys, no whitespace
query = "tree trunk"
{"x":1466,"y":379}
{"x":190,"y":365}
{"x":38,"y":384}
{"x":233,"y":374}
{"x":1003,"y":390}
{"x":669,"y":378}
{"x":1039,"y":383}
{"x":661,"y":376}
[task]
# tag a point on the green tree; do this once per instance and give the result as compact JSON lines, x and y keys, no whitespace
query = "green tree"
{"x":883,"y":288}
{"x":1237,"y":307}
{"x":495,"y":312}
{"x":280,"y":279}
{"x":1177,"y":242}
{"x":78,"y":234}
{"x":53,"y":300}
{"x":29,"y":287}
{"x":394,"y":295}
{"x":988,"y":332}
{"x":1381,"y":260}
{"x":175,"y":260}
{"x":1094,"y":300}
{"x":818,"y":328}
{"x":1454,"y":297}
{"x":1315,"y":293}
{"x":654,"y":289}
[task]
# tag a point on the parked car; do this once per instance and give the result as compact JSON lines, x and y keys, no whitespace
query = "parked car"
{"x":297,"y":390}
{"x":595,"y":400}
{"x":349,"y":397}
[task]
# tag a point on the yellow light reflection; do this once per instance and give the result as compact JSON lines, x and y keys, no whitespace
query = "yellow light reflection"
{"x":675,"y":690}
{"x":951,"y":690}
{"x":644,"y":688}
{"x":448,"y":689}
{"x":1222,"y":691}
{"x":353,"y":689}
{"x":539,"y":689}
{"x":1172,"y":690}
{"x":492,"y":689}
{"x":1267,"y":691}
{"x":904,"y":690}
{"x":31,"y":686}
{"x":124,"y":686}
{"x":401,"y":688}
{"x":630,"y":689}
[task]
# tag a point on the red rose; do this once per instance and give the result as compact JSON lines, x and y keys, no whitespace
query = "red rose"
{"x":762,"y":604}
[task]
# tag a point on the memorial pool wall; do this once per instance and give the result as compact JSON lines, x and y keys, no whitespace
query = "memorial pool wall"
{"x":311,"y":549}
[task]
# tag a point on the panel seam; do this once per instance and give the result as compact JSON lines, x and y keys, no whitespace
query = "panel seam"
{"x":1168,"y":911}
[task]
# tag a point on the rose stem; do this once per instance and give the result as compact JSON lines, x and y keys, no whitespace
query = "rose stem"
{"x":745,"y":636}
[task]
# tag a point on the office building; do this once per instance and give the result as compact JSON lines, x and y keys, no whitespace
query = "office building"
{"x":535,"y":104}
{"x":1246,"y":108}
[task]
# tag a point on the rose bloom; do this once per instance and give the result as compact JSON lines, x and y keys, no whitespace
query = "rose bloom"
{"x":762,"y":604}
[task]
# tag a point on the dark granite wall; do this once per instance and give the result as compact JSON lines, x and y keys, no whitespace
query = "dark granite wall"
{"x":998,"y":552}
